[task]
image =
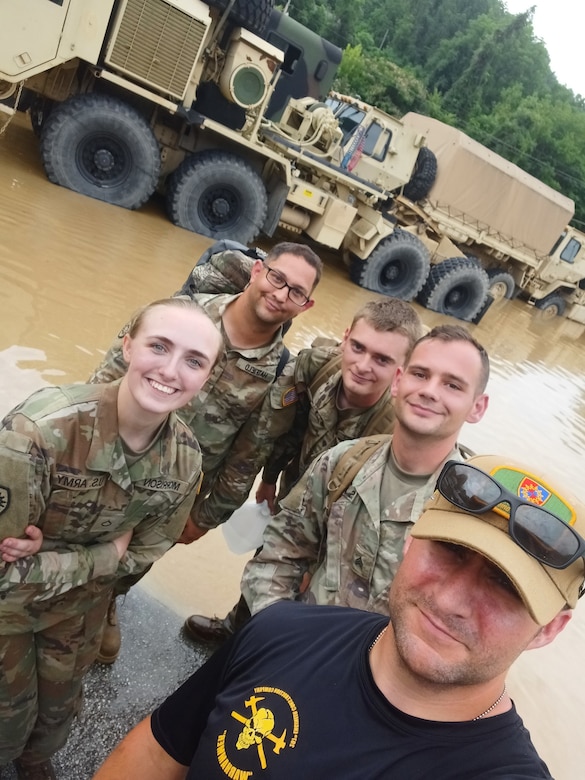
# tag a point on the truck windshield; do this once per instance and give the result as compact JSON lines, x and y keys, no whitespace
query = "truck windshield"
{"x":349,"y":117}
{"x":571,"y":251}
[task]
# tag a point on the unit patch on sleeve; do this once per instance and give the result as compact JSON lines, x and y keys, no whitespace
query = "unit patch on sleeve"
{"x":4,"y":498}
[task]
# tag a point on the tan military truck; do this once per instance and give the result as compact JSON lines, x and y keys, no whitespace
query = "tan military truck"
{"x":132,"y":95}
{"x":490,"y":226}
{"x":349,"y":161}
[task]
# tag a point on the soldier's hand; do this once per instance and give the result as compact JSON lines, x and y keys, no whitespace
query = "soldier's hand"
{"x":267,"y":493}
{"x":13,"y":549}
{"x":191,"y":532}
{"x":122,"y":543}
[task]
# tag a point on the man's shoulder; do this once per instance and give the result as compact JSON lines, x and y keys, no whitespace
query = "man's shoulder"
{"x":287,"y":619}
{"x":214,"y":304}
{"x":316,"y":364}
{"x":352,"y":458}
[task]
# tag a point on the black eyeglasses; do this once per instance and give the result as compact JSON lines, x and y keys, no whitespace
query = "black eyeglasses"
{"x":540,"y":533}
{"x":276,"y":279}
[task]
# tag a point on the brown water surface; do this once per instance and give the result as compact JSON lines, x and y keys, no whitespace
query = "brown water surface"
{"x":72,"y":270}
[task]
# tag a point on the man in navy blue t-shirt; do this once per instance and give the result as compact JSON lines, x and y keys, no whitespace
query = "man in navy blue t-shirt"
{"x":493,"y":567}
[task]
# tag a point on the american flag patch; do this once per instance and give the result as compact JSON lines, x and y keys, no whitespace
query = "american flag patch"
{"x":289,"y":396}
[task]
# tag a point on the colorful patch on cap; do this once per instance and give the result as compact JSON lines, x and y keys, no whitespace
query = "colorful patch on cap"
{"x":532,"y":491}
{"x":528,"y":488}
{"x":289,"y":396}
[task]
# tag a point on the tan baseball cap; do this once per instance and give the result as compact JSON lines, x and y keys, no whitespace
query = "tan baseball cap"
{"x":544,"y":590}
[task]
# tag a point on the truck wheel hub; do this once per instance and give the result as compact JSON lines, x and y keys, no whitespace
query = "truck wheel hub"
{"x":221,"y":208}
{"x":104,"y":160}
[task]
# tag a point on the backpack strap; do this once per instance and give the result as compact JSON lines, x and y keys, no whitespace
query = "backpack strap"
{"x":354,"y":458}
{"x":382,"y":421}
{"x":327,"y":370}
{"x":465,"y":451}
{"x":285,"y":355}
{"x":351,"y":462}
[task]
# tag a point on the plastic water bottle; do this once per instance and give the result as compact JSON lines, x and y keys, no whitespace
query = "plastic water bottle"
{"x":244,"y":530}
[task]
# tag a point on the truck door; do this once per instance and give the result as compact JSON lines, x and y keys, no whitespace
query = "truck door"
{"x":30,"y":31}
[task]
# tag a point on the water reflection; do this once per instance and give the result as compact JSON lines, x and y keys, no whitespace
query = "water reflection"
{"x":73,"y":269}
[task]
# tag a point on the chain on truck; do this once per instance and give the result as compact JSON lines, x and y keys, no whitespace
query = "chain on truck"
{"x":221,"y":107}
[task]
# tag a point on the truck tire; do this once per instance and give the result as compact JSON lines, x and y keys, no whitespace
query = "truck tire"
{"x":398,"y":267}
{"x":217,"y":194}
{"x":251,"y":14}
{"x":99,"y":146}
{"x":552,"y":306}
{"x":457,"y":287}
{"x":423,"y":178}
{"x":501,"y":284}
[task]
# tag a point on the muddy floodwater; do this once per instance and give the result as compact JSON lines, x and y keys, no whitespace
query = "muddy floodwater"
{"x":73,"y":269}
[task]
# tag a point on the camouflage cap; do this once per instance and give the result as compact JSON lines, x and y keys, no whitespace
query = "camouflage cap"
{"x":544,"y":590}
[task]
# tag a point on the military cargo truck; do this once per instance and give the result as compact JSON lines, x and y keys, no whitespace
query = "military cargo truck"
{"x":132,"y":95}
{"x":129,"y":96}
{"x":490,"y":226}
{"x":349,"y":160}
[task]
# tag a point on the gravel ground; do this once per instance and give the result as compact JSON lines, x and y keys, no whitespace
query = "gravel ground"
{"x":154,"y":660}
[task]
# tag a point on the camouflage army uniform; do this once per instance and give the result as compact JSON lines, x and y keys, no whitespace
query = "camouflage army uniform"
{"x":319,"y":424}
{"x":64,"y":468}
{"x":352,"y":549}
{"x":231,"y":416}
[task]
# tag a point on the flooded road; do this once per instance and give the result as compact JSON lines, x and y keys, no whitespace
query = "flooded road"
{"x":73,"y":269}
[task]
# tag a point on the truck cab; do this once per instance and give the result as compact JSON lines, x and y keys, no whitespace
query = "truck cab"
{"x":558,"y":284}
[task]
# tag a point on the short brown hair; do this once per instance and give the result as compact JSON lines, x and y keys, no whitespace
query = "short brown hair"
{"x":391,"y":315}
{"x":457,"y":333}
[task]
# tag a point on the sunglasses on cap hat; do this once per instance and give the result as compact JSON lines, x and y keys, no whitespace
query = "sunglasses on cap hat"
{"x":541,"y":534}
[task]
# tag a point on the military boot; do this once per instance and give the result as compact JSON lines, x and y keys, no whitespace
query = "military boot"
{"x":111,"y":637}
{"x":42,"y":771}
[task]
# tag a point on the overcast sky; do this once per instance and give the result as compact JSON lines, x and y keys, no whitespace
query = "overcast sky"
{"x":560,"y":24}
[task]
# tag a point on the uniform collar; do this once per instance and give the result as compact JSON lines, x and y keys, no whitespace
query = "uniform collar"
{"x":106,"y":453}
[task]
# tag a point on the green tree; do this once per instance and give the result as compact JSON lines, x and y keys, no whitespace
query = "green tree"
{"x":376,"y":80}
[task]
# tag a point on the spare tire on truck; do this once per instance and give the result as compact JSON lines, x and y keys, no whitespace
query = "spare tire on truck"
{"x":423,"y":178}
{"x":457,"y":287}
{"x":398,"y":266}
{"x":251,"y":14}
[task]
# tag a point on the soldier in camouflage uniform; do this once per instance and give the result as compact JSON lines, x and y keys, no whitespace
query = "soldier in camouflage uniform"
{"x":344,"y":390}
{"x":351,"y":546}
{"x":343,"y":393}
{"x":101,"y":479}
{"x":233,"y":417}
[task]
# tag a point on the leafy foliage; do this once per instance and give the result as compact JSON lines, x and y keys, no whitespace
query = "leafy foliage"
{"x":469,"y":63}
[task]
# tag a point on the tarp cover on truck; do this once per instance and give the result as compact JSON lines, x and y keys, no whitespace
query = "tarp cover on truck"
{"x":483,"y":189}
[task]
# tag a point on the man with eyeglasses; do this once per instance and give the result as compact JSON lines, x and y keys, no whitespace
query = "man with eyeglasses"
{"x":350,"y":544}
{"x":492,"y":568}
{"x":231,"y":401}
